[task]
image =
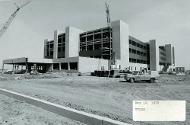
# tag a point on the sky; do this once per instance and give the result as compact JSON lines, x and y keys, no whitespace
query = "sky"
{"x":167,"y":21}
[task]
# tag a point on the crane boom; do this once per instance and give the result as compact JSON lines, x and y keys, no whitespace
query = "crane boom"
{"x":11,"y":18}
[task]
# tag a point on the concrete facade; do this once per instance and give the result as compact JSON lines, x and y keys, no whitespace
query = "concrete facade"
{"x":95,"y":64}
{"x":55,"y":47}
{"x":72,"y":42}
{"x":154,"y":56}
{"x":169,"y":54}
{"x":120,"y":38}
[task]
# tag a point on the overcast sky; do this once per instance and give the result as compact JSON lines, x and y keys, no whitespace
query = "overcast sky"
{"x":167,"y":21}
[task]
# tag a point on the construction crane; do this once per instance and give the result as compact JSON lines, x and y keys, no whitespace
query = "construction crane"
{"x":112,"y":53}
{"x":108,"y":14}
{"x":11,"y":18}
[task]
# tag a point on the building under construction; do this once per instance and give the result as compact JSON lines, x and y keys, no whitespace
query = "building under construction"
{"x":100,"y":49}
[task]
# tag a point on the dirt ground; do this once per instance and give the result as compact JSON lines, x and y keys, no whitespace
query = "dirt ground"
{"x":109,"y":97}
{"x":14,"y":112}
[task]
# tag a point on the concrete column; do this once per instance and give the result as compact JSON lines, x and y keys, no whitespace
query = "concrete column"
{"x":173,"y":52}
{"x":55,"y":46}
{"x":13,"y":67}
{"x":72,"y":42}
{"x":45,"y":47}
{"x":68,"y":65}
{"x":169,"y":55}
{"x":120,"y":43}
{"x":50,"y":67}
{"x":59,"y":66}
{"x":154,"y":56}
{"x":3,"y":67}
{"x":26,"y":64}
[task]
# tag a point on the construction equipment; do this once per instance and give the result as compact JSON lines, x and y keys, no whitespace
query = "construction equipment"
{"x":11,"y":18}
{"x":113,"y":65}
{"x":108,"y":14}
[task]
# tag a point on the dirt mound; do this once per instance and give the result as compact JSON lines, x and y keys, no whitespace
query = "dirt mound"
{"x":173,"y":78}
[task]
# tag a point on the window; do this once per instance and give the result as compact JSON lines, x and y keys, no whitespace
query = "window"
{"x":59,"y":40}
{"x":83,"y":48}
{"x":97,"y":46}
{"x":130,"y":41}
{"x":138,"y":45}
{"x":134,"y":43}
{"x":82,"y":39}
{"x":134,"y":51}
{"x":97,"y":36}
{"x":89,"y":38}
{"x":138,"y":52}
{"x":51,"y":53}
{"x":90,"y":47}
{"x":51,"y":45}
{"x":106,"y":35}
{"x":59,"y":49}
{"x":130,"y":50}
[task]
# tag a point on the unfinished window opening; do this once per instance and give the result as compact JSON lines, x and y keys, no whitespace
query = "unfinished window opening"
{"x":82,"y":39}
{"x":97,"y":36}
{"x":106,"y":35}
{"x":51,"y":53}
{"x":106,"y":45}
{"x":56,"y":66}
{"x":74,"y":66}
{"x":51,"y":45}
{"x":83,"y":48}
{"x":89,"y":38}
{"x":64,"y":66}
{"x":59,"y":40}
{"x":97,"y":46}
{"x":90,"y":47}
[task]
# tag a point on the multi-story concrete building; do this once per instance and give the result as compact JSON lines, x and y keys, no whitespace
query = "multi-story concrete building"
{"x":98,"y":49}
{"x":86,"y":51}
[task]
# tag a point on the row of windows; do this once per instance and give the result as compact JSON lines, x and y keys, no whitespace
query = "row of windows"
{"x":132,"y":60}
{"x":96,"y":31}
{"x":138,"y":44}
{"x":137,"y":52}
{"x":95,"y":37}
{"x":97,"y":46}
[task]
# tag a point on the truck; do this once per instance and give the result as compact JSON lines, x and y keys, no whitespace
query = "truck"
{"x":150,"y":76}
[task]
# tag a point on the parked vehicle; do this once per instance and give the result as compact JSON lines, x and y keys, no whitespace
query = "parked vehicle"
{"x":150,"y":76}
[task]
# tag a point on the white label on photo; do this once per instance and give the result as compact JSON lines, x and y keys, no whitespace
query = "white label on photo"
{"x":156,"y":110}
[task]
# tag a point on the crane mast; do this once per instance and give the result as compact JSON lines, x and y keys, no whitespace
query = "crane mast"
{"x":11,"y":18}
{"x":108,"y":14}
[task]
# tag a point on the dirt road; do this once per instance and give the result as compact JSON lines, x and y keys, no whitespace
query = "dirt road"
{"x":109,"y":97}
{"x":14,"y":112}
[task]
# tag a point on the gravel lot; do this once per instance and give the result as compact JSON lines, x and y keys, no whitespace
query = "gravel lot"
{"x":14,"y":112}
{"x":109,"y":97}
